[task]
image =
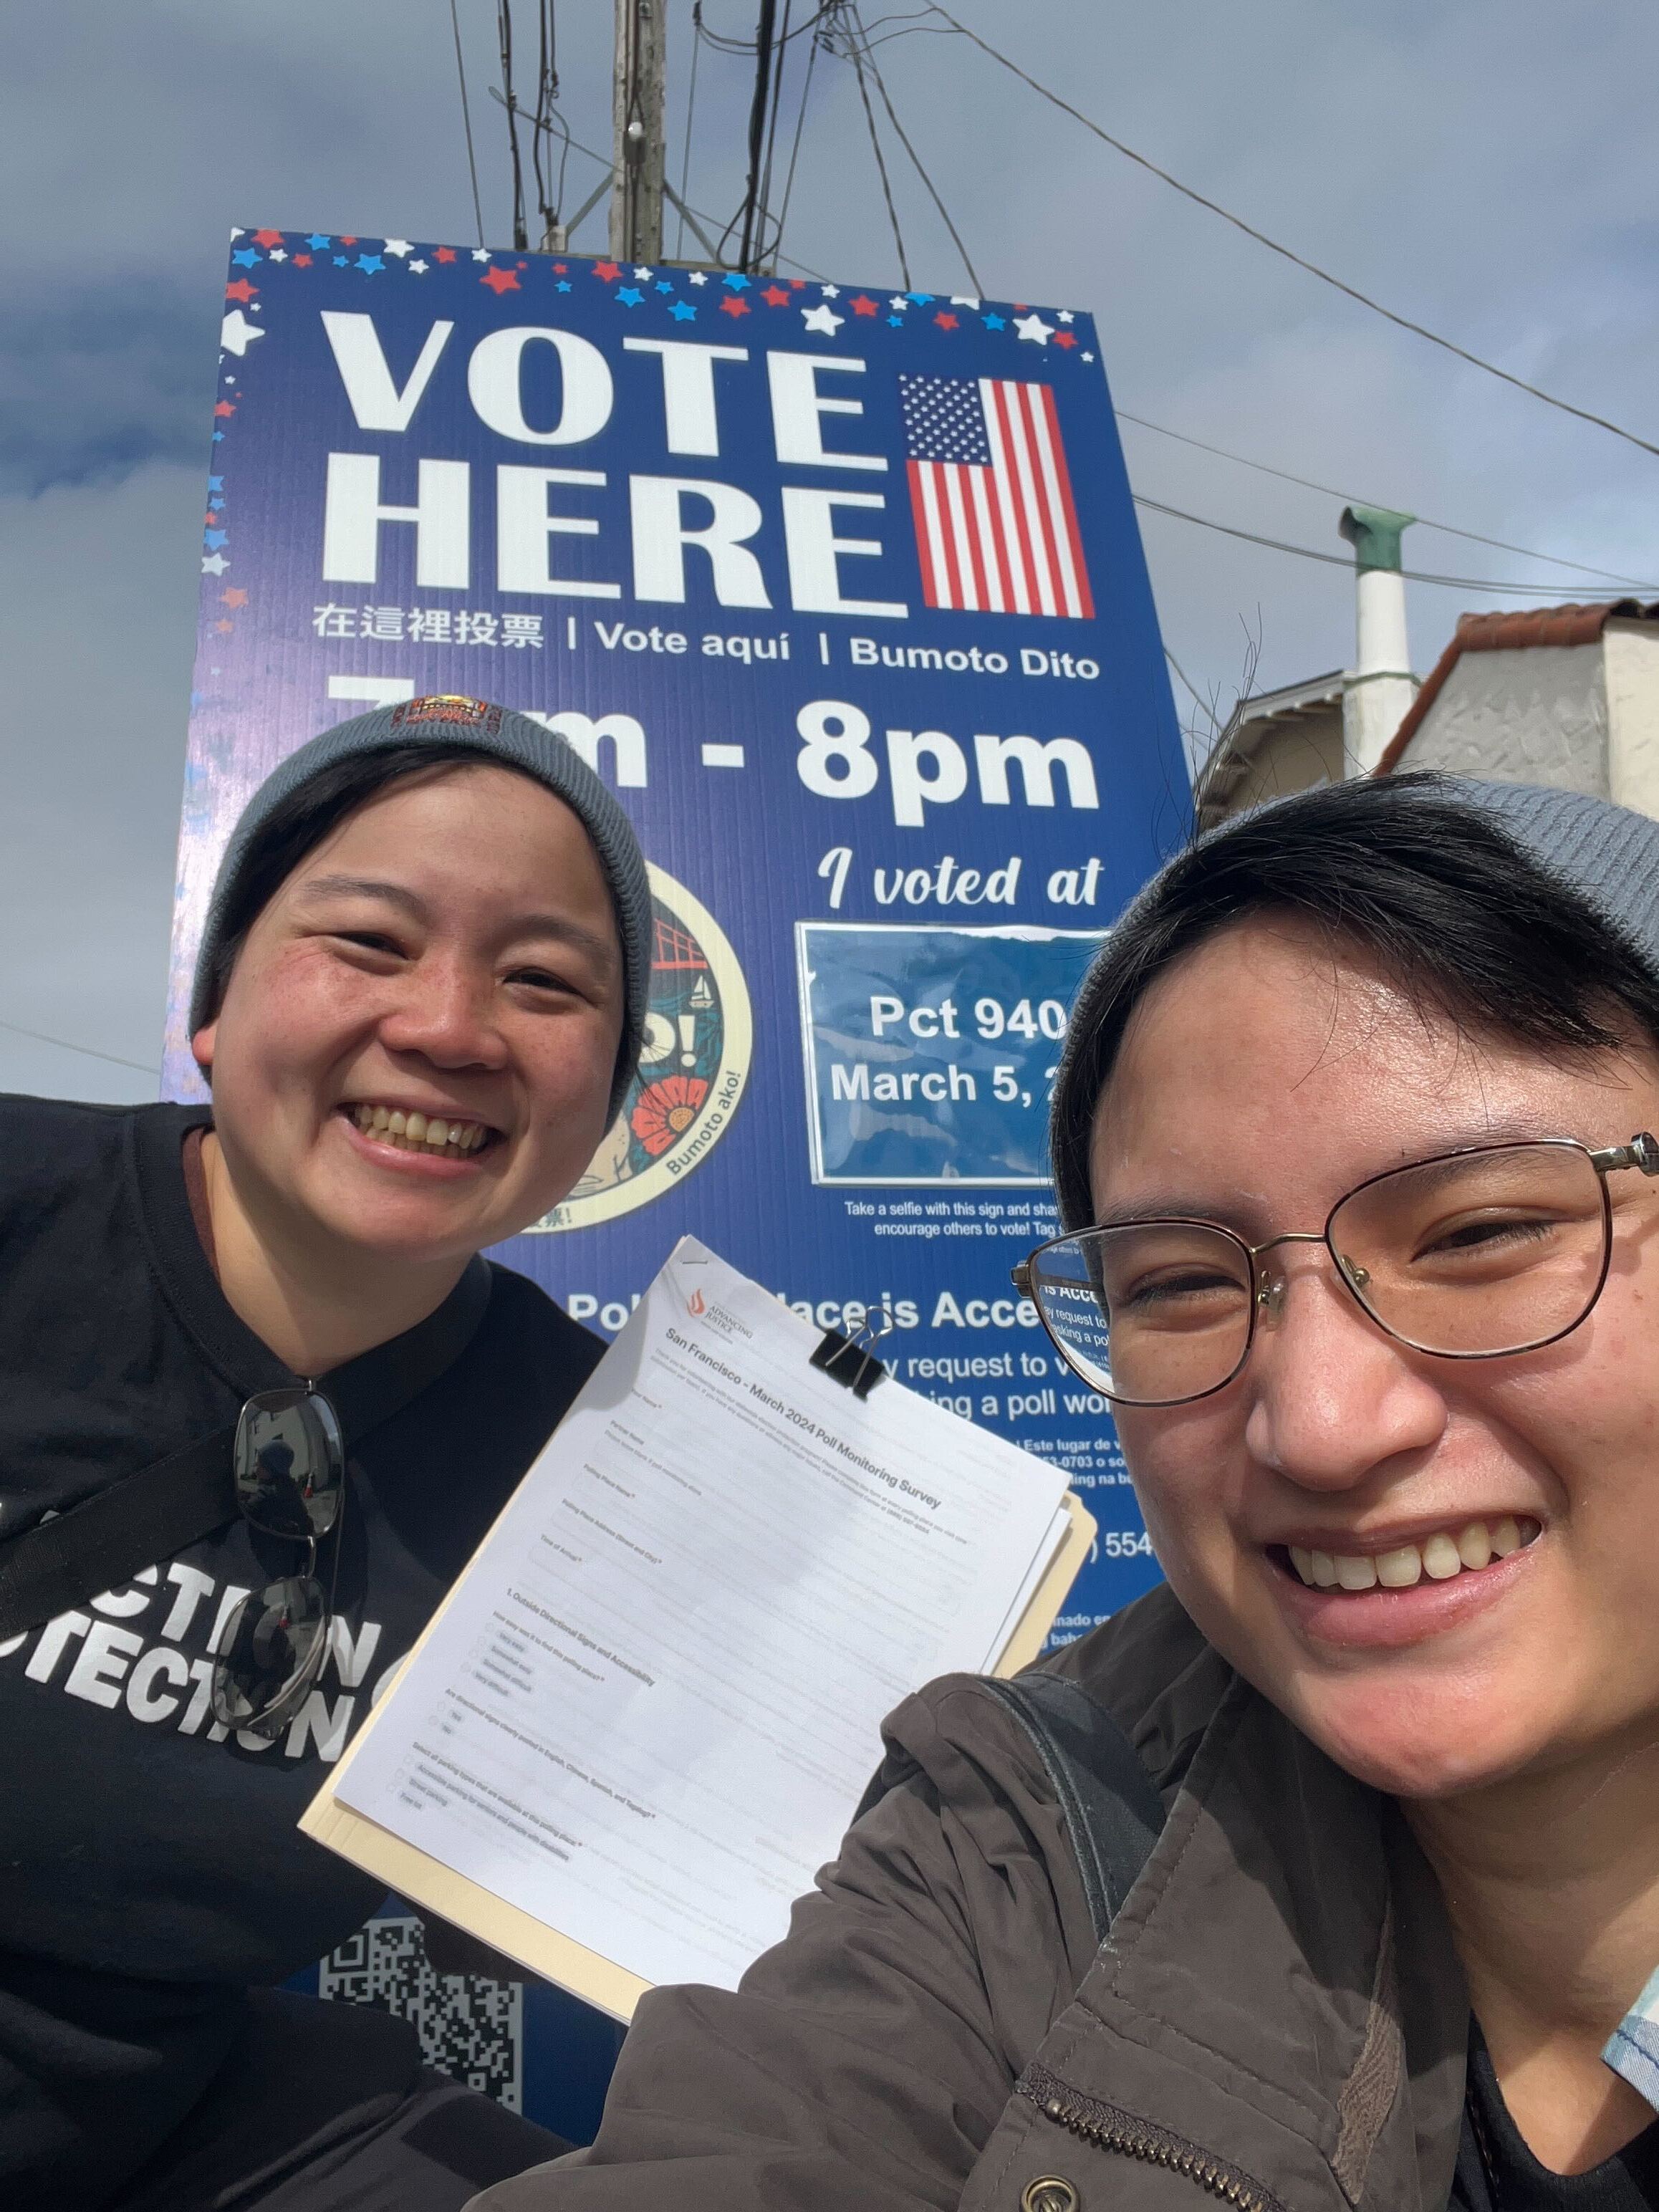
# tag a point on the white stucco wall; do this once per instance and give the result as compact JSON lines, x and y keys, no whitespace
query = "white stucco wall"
{"x":1631,"y":651}
{"x":1529,"y":714}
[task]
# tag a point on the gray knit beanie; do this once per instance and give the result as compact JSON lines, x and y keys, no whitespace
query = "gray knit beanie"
{"x":1608,"y":855}
{"x":495,"y":733}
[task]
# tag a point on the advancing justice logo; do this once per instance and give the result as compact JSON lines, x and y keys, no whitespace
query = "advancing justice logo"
{"x":699,"y":1044}
{"x":719,"y":1318}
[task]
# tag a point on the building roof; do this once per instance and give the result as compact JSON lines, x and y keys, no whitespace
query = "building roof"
{"x":1507,"y":631}
{"x":1249,"y":728}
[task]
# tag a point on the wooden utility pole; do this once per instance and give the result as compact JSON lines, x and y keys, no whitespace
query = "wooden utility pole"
{"x":637,"y":115}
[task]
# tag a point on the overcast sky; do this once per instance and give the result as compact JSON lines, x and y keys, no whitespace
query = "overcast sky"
{"x":1486,"y":167}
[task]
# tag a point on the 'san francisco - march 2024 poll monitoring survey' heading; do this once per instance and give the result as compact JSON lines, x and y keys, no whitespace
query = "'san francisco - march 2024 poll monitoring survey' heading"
{"x":841,"y":590}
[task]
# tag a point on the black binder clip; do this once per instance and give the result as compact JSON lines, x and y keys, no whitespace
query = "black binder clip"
{"x":866,"y":1369}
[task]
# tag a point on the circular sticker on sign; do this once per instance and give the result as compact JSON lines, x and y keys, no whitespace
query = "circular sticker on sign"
{"x":699,"y":1040}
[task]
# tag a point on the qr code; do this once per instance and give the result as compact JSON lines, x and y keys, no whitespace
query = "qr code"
{"x":469,"y":2028}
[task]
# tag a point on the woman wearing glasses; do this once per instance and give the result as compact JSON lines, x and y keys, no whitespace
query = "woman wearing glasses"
{"x":1354,"y":1143}
{"x":262,"y":1399}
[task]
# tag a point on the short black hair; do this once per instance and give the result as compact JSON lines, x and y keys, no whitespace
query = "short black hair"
{"x":297,"y":825}
{"x":1448,"y":904}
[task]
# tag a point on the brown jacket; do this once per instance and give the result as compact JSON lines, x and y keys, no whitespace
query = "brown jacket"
{"x":1277,"y":2018}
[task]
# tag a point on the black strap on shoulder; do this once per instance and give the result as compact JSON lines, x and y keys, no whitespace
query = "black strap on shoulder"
{"x":118,"y":1532}
{"x":1113,"y":1814}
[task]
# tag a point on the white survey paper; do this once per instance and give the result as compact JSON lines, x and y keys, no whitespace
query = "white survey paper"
{"x":652,"y":1704}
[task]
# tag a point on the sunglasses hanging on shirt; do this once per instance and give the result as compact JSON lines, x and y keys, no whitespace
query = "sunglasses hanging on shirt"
{"x":289,"y":1466}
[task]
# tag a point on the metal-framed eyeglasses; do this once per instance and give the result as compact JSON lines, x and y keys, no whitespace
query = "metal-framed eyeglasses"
{"x":289,"y":1467}
{"x":1477,"y":1254}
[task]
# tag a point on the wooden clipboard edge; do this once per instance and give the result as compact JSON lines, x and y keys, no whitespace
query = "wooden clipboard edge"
{"x":426,"y":1881}
{"x":1030,"y":1632}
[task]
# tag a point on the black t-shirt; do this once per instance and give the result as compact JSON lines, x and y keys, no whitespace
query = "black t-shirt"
{"x":1496,"y":2172}
{"x":150,"y":1869}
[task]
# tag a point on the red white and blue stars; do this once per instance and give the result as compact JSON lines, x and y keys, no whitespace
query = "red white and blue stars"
{"x":266,"y":262}
{"x":679,"y":296}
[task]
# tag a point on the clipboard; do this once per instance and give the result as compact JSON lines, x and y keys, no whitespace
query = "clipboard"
{"x":542,"y":1949}
{"x":531,"y":1943}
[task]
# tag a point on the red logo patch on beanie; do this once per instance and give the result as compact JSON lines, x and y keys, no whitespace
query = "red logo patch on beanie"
{"x":446,"y":707}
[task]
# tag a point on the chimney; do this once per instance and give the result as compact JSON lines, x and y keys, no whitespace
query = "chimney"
{"x":1379,"y":687}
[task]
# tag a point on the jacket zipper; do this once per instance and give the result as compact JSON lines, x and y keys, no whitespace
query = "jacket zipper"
{"x":1109,"y":2128}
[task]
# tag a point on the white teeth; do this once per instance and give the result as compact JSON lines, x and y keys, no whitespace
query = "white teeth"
{"x":1440,"y":1557}
{"x":1400,"y":1570}
{"x":1474,"y":1546}
{"x":417,"y":1132}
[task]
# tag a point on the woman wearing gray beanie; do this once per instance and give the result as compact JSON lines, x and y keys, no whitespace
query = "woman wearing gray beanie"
{"x":263,"y":1399}
{"x":1327,"y":1875}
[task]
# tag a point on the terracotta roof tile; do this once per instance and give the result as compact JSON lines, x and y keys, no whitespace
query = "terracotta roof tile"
{"x":1506,"y":630}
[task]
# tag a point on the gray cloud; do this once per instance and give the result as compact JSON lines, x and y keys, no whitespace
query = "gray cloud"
{"x":98,"y":586}
{"x":92,"y":389}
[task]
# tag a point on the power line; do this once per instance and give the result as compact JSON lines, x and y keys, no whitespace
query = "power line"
{"x":770,"y":47}
{"x":702,"y":214}
{"x":504,"y":30}
{"x":780,"y":62}
{"x":757,"y":112}
{"x":723,"y":43}
{"x":1349,"y":498}
{"x":466,"y":119}
{"x":1404,"y":322}
{"x":916,"y":30}
{"x":564,"y":154}
{"x":544,"y":122}
{"x":859,"y":52}
{"x":866,"y":42}
{"x":794,"y":151}
{"x":89,"y":1053}
{"x":915,"y":158}
{"x":1344,"y":561}
{"x":549,"y":197}
{"x":691,"y":111}
{"x":1202,"y":704}
{"x":857,"y":60}
{"x":1452,"y":530}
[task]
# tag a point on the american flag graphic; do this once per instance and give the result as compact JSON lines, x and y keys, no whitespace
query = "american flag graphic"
{"x":996,"y":526}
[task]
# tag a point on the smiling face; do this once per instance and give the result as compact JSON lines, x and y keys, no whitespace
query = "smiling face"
{"x":1261,"y":1080}
{"x":414,"y":1054}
